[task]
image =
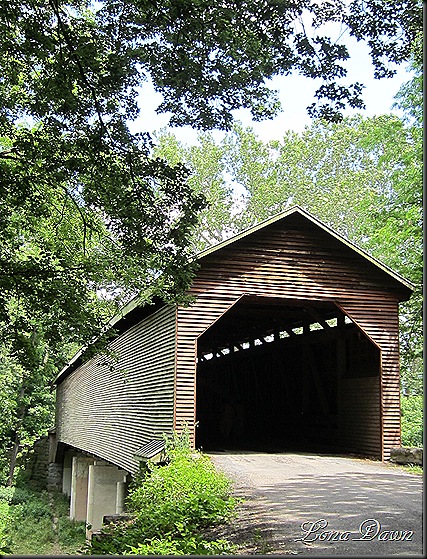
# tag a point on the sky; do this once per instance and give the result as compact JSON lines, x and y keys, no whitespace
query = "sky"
{"x":295,"y":93}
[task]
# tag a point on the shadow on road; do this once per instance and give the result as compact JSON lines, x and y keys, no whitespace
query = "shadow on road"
{"x":366,"y":512}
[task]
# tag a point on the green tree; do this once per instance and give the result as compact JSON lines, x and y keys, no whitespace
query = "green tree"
{"x":399,"y":226}
{"x":207,"y":164}
{"x":86,"y":208}
{"x":27,"y":410}
{"x":412,"y":420}
{"x":210,"y":58}
{"x":326,"y":169}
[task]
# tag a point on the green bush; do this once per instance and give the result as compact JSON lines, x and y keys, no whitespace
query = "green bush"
{"x":5,"y":541}
{"x":412,"y":420}
{"x":22,"y":495}
{"x":187,"y":492}
{"x":171,"y":506}
{"x":187,"y":544}
{"x":6,"y":494}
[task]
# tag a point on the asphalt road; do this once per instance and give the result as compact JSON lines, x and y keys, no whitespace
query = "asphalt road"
{"x":313,"y":504}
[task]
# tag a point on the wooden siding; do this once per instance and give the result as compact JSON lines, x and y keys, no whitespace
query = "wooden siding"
{"x":111,"y":411}
{"x":297,"y":260}
{"x":359,"y":416}
{"x":380,"y":320}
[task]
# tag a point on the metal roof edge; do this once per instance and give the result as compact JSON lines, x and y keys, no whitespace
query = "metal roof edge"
{"x":316,"y":221}
{"x":150,"y":449}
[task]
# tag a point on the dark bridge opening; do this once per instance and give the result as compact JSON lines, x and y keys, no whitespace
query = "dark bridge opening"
{"x":276,"y":374}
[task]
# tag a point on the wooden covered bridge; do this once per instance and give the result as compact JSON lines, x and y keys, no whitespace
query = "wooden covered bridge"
{"x":291,"y":342}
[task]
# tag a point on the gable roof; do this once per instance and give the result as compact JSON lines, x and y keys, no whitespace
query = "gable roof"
{"x":298,"y":210}
{"x":125,"y":316}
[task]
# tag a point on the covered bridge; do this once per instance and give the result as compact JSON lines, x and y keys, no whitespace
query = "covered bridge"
{"x":291,"y":342}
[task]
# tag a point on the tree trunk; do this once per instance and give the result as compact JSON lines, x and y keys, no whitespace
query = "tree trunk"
{"x":17,"y":441}
{"x":12,"y":463}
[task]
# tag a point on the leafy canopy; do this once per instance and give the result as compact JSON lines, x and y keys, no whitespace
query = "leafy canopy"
{"x":89,"y":215}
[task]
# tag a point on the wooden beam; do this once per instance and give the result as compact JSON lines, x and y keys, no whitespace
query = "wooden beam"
{"x":317,"y":317}
{"x":341,"y":356}
{"x":318,"y":383}
{"x":305,"y":388}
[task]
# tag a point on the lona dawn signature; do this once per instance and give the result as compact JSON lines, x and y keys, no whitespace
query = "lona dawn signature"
{"x":370,"y":529}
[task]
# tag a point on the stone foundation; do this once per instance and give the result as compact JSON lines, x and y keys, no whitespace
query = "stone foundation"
{"x":403,"y":455}
{"x":54,"y":477}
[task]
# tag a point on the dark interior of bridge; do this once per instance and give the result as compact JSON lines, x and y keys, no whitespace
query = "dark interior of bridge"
{"x":271,"y":373}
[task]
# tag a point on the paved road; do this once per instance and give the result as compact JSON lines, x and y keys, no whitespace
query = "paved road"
{"x":322,"y":505}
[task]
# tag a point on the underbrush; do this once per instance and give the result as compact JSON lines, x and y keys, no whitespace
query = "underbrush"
{"x":412,"y":420}
{"x":4,"y":538}
{"x":32,"y":523}
{"x":171,"y":506}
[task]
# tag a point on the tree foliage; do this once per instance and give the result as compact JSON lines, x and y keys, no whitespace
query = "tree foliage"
{"x":412,"y":420}
{"x":87,"y":209}
{"x":210,"y":58}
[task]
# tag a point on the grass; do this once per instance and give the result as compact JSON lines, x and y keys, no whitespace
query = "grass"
{"x":4,"y":537}
{"x":414,"y":469}
{"x":27,"y":524}
{"x":410,"y":468}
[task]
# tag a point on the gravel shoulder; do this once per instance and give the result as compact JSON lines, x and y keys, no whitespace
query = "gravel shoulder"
{"x":312,"y":504}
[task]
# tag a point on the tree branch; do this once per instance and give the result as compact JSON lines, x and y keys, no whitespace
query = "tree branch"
{"x":73,"y":53}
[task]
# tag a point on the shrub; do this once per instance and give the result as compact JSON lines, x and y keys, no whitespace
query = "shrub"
{"x":412,"y":420}
{"x":28,"y":504}
{"x":187,"y":544}
{"x":172,"y":505}
{"x":187,"y":492}
{"x":4,"y":537}
{"x":6,"y":494}
{"x":22,"y":495}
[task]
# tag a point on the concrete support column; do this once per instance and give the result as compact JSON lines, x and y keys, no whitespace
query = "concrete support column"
{"x":120,"y":496}
{"x":79,"y":487}
{"x":104,"y":496}
{"x":66,"y":472}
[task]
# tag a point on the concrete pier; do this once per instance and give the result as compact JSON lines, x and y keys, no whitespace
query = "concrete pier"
{"x":105,"y":493}
{"x":79,"y":487}
{"x":67,"y":469}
